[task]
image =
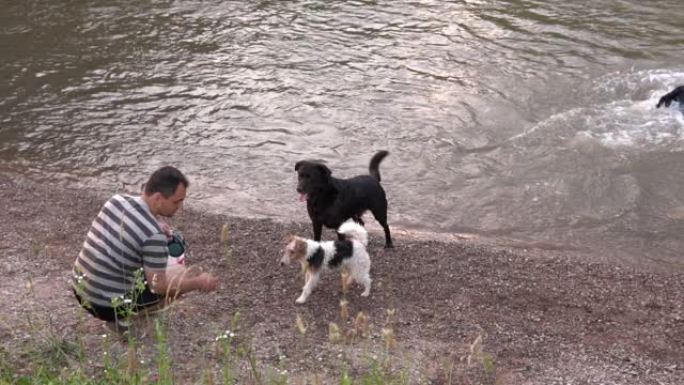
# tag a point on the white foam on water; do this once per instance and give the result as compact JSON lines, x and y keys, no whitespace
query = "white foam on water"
{"x":625,"y":116}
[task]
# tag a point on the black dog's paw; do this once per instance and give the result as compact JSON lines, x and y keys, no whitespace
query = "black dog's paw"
{"x":676,"y":94}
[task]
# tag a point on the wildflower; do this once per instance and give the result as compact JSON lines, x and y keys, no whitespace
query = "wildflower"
{"x":225,"y":335}
{"x":127,"y":301}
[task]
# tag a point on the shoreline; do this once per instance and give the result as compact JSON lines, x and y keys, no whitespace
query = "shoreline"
{"x":583,"y":254}
{"x":542,"y":315}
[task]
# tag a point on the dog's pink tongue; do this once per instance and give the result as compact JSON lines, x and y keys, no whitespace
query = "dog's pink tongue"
{"x":302,"y":197}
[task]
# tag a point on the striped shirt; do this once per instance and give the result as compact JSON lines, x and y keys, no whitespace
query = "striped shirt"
{"x":124,"y":239}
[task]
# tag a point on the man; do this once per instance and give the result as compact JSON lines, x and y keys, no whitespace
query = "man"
{"x":122,"y":266}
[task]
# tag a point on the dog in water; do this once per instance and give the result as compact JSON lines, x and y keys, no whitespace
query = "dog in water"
{"x":315,"y":257}
{"x":331,"y":201}
{"x":675,"y":95}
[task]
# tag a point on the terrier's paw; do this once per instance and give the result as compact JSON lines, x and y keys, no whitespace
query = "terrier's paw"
{"x":365,"y":293}
{"x":300,"y":300}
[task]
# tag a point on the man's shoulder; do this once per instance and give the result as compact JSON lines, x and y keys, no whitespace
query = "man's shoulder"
{"x":133,"y":207}
{"x":125,"y":201}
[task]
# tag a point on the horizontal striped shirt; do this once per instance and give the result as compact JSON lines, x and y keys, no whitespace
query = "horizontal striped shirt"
{"x":124,"y":240}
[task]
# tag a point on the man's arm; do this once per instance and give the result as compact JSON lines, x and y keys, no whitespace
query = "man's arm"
{"x":676,"y":94}
{"x":171,"y":285}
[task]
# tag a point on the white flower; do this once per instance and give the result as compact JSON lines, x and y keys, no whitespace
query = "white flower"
{"x":127,"y":300}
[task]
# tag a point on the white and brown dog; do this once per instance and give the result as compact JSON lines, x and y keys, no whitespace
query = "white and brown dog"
{"x":315,"y":257}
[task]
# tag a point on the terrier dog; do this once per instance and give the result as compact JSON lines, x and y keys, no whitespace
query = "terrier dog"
{"x":331,"y":201}
{"x":315,"y":257}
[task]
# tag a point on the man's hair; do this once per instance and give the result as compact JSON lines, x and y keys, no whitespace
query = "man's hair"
{"x":165,"y":181}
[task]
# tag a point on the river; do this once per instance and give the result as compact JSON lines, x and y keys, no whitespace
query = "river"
{"x":529,"y":122}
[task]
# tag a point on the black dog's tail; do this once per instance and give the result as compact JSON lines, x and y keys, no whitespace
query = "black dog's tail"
{"x":374,"y":168}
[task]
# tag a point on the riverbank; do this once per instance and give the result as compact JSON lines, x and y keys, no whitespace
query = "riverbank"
{"x":463,"y":312}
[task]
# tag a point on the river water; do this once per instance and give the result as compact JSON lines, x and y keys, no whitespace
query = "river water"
{"x":524,"y":121}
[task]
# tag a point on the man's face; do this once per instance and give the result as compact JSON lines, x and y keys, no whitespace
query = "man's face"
{"x":168,"y":206}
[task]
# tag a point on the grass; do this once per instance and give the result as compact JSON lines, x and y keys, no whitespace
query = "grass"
{"x":55,"y":355}
{"x":51,"y":359}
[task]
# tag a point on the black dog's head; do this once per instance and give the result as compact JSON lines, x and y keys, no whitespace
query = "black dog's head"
{"x":311,"y":177}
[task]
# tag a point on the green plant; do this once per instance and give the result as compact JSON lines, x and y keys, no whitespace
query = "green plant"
{"x":164,"y":366}
{"x":227,"y":247}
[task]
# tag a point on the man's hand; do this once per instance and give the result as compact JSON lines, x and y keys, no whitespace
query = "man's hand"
{"x":207,"y":282}
{"x":165,"y":228}
{"x":676,"y":94}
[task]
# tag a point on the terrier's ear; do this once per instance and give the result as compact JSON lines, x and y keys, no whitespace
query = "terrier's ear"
{"x":299,"y":248}
{"x":298,"y":165}
{"x":289,"y":243}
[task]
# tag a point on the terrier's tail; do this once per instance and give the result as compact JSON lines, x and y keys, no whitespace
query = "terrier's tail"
{"x":354,"y":231}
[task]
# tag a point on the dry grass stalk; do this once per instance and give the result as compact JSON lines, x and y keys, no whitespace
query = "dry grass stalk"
{"x":361,"y":325}
{"x":346,"y":282}
{"x":389,"y":337}
{"x":133,"y":366}
{"x":225,"y":234}
{"x":475,"y":350}
{"x":300,"y":325}
{"x":334,"y":333}
{"x":344,"y":309}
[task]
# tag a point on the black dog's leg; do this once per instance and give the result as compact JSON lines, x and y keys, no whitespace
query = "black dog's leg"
{"x":380,"y":214}
{"x":317,"y":229}
{"x":388,"y":238}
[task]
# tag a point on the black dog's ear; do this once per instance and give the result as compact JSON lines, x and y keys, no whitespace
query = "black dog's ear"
{"x":325,"y":171}
{"x":298,"y":165}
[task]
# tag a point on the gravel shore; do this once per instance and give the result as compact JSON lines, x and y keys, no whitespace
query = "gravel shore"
{"x":463,"y":311}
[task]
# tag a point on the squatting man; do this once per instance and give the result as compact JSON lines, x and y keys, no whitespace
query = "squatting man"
{"x":124,"y":261}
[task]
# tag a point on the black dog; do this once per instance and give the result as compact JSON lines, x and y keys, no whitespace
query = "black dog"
{"x":675,"y":95}
{"x":331,"y":201}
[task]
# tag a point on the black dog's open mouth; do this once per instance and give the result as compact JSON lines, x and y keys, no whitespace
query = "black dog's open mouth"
{"x":303,"y":197}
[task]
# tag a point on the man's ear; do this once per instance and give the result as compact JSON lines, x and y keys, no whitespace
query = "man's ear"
{"x":156,"y":197}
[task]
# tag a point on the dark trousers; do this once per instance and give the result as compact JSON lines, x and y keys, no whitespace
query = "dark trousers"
{"x":146,"y":299}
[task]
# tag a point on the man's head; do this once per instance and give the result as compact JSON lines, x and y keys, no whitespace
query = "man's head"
{"x":165,"y":191}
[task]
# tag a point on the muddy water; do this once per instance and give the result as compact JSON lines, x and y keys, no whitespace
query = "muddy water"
{"x":519,"y":120}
